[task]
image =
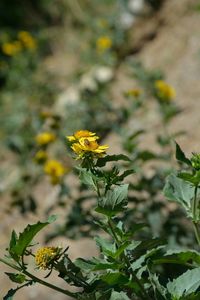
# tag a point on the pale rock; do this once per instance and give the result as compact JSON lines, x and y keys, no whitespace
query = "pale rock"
{"x":136,"y":6}
{"x":127,"y":20}
{"x":103,"y":74}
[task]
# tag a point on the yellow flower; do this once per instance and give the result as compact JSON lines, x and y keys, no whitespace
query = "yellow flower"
{"x":133,"y":93}
{"x":55,"y":170}
{"x":80,"y":134}
{"x":41,"y":156}
{"x":45,"y":138}
{"x":28,"y":41}
{"x":164,"y":91}
{"x":103,"y":43}
{"x":11,"y":49}
{"x":45,"y":256}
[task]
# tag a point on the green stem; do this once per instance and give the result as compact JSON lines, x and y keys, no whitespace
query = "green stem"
{"x":197,"y":233}
{"x":51,"y":286}
{"x":194,"y":215}
{"x":38,"y":280}
{"x":126,"y":260}
{"x":13,"y":266}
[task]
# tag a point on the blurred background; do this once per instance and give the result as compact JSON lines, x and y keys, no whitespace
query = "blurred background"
{"x":126,"y":69}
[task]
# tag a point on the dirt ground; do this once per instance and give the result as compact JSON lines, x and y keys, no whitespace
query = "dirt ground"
{"x":175,"y":49}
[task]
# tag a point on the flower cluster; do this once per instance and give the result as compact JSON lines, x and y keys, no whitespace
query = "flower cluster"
{"x":103,"y":43}
{"x":164,"y":91}
{"x":45,"y":256}
{"x":84,"y":143}
{"x":24,"y":41}
{"x":55,"y":170}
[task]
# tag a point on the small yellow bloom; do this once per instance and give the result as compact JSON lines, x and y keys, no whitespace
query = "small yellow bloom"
{"x":80,"y":134}
{"x":11,"y":49}
{"x":28,"y":41}
{"x":45,"y":138}
{"x":41,"y":156}
{"x":164,"y":91}
{"x":88,"y":145}
{"x":103,"y":43}
{"x":45,"y":256}
{"x":55,"y":170}
{"x":133,"y":93}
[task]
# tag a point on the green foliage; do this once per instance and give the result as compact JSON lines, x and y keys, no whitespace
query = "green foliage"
{"x":18,"y":278}
{"x":18,"y":245}
{"x":185,"y":284}
{"x":180,"y":156}
{"x":176,"y":189}
{"x":114,"y":201}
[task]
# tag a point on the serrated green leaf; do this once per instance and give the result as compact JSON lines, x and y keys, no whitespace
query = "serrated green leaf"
{"x":114,"y":201}
{"x":148,"y":244}
{"x":84,"y":264}
{"x":179,"y":256}
{"x":87,"y":178}
{"x":26,"y":237}
{"x":126,"y":173}
{"x":95,"y":264}
{"x":185,"y":284}
{"x":178,"y":190}
{"x":101,"y":162}
{"x":106,"y":246}
{"x":181,"y":156}
{"x":18,"y":278}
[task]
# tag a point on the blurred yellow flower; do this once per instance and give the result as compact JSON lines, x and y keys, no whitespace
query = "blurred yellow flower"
{"x":11,"y":49}
{"x":45,"y":138}
{"x":55,"y":170}
{"x":28,"y":41}
{"x":103,"y":43}
{"x":41,"y":156}
{"x":133,"y":93}
{"x":164,"y":91}
{"x":45,"y":256}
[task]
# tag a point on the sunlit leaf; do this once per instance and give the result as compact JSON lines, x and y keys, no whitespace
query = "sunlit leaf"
{"x":114,"y":201}
{"x":185,"y":284}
